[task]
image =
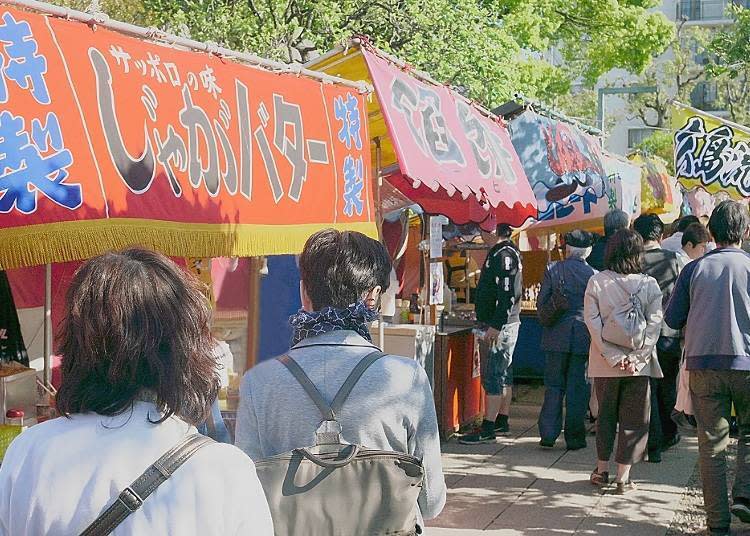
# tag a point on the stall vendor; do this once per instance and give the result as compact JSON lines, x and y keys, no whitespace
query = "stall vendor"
{"x":462,"y":272}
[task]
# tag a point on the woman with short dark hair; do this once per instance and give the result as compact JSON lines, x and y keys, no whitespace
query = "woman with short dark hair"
{"x":623,"y":312}
{"x":138,"y":375}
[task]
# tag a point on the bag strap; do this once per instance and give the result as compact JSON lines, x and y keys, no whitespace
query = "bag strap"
{"x":329,"y":411}
{"x":131,"y":498}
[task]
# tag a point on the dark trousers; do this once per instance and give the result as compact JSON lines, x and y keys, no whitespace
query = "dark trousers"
{"x":564,"y":380}
{"x":623,"y":401}
{"x":714,"y":392}
{"x":664,"y":397}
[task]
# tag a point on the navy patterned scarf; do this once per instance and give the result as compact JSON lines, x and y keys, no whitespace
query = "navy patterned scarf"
{"x":353,"y":318}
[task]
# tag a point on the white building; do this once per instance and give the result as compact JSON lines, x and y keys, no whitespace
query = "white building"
{"x":628,"y":130}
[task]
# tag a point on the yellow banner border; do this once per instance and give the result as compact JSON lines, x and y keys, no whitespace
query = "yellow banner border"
{"x":34,"y":245}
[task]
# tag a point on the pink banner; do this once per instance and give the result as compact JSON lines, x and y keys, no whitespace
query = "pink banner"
{"x":446,"y":146}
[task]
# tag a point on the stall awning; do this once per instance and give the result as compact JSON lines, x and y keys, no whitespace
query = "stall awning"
{"x":111,"y":140}
{"x":711,"y":153}
{"x":439,"y":149}
{"x":660,"y":192}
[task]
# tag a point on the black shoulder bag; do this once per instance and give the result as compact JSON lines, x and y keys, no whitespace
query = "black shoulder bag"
{"x":132,"y":497}
{"x":550,"y":311}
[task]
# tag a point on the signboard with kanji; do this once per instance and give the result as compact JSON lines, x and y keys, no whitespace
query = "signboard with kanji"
{"x":107,"y":140}
{"x":711,"y":153}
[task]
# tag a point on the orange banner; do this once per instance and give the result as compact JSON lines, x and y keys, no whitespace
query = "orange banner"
{"x":108,"y":140}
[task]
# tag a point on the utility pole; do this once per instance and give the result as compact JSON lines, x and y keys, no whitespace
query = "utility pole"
{"x":631,"y":90}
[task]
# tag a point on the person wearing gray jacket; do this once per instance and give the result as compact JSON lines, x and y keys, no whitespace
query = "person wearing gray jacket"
{"x":390,"y":408}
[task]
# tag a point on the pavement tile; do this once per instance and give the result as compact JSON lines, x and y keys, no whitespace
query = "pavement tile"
{"x":538,"y":516}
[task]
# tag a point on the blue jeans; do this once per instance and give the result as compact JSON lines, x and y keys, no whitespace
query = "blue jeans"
{"x":564,"y":378}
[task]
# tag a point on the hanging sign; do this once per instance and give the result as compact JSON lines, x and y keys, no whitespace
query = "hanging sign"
{"x":109,"y":140}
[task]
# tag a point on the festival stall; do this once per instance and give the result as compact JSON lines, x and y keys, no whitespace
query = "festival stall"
{"x":575,"y":184}
{"x":434,"y":148}
{"x":115,"y":135}
{"x":660,"y":193}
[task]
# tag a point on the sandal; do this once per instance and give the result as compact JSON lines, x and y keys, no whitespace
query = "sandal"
{"x":599,"y":479}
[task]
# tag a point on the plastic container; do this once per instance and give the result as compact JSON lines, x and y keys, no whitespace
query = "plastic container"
{"x":11,"y":429}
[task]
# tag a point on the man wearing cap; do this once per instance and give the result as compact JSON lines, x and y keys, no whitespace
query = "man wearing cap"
{"x":565,"y":341}
{"x":498,"y":308}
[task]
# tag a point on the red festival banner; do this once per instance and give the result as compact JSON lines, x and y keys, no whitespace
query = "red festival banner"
{"x":108,"y":140}
{"x":446,"y":146}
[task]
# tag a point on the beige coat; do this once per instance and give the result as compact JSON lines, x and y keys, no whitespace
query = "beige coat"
{"x":602,"y":295}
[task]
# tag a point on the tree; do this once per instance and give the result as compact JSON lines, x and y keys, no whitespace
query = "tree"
{"x":492,"y":48}
{"x":675,"y":77}
{"x":730,"y":65}
{"x":660,"y":143}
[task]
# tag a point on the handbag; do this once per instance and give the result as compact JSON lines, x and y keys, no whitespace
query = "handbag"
{"x":338,"y":489}
{"x":553,"y":308}
{"x":131,"y":498}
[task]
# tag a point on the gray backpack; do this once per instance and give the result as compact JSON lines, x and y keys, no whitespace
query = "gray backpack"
{"x":626,"y":325}
{"x":339,"y":489}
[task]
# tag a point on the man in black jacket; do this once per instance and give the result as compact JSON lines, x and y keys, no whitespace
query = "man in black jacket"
{"x":498,"y":308}
{"x":664,"y":266}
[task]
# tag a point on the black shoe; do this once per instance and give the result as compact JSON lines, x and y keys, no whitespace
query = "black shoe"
{"x":686,"y":423}
{"x":654,"y":456}
{"x":741,"y":508}
{"x":478,"y":438}
{"x":671,"y":442}
{"x":546,"y":444}
{"x":501,"y":425}
{"x":575,"y":446}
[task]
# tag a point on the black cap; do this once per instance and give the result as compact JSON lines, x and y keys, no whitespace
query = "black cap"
{"x":579,"y":239}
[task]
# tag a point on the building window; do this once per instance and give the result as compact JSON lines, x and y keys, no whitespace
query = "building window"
{"x":707,"y":10}
{"x":705,"y":96}
{"x":637,"y":135}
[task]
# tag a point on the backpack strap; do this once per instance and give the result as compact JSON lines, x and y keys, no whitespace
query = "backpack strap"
{"x":351,"y":381}
{"x":131,"y":498}
{"x":329,"y":412}
{"x":309,"y":387}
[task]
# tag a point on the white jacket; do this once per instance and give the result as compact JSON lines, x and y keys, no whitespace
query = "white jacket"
{"x":601,"y":297}
{"x":58,"y":476}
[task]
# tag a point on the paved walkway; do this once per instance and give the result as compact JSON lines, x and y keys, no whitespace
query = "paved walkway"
{"x":514,"y":487}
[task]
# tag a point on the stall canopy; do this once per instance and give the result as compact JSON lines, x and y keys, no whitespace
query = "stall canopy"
{"x":437,"y":148}
{"x":625,"y":181}
{"x":660,"y":192}
{"x":110,"y":140}
{"x":565,"y":168}
{"x":711,"y":153}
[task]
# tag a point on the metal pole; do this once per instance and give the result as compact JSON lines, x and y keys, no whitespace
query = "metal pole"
{"x":47,"y":324}
{"x":379,"y":223}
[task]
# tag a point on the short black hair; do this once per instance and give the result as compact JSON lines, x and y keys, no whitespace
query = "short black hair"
{"x":503,"y":230}
{"x":695,"y":233}
{"x":729,"y":222}
{"x":339,"y":267}
{"x":623,"y":252}
{"x":686,"y":221}
{"x":649,"y":226}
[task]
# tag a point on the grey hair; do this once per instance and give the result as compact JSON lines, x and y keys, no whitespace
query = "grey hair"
{"x":578,"y":253}
{"x":614,"y":220}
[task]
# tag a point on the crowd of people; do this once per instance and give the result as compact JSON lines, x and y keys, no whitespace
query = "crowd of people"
{"x":661,"y":328}
{"x":627,"y":318}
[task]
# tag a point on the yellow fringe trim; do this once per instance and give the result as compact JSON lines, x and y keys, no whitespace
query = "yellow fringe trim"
{"x":34,"y":245}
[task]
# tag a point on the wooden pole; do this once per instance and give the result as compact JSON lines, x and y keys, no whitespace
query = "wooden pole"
{"x":48,"y":325}
{"x":253,"y":312}
{"x":379,"y":223}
